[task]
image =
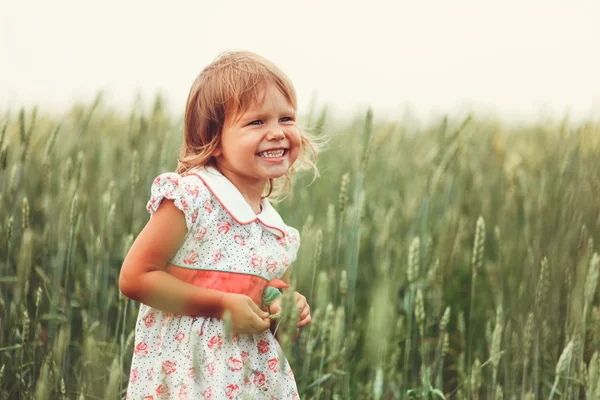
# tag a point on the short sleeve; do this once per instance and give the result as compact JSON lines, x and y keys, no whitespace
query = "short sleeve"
{"x":293,"y":243}
{"x":185,"y":191}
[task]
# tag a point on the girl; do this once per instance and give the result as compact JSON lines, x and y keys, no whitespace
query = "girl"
{"x":214,"y":243}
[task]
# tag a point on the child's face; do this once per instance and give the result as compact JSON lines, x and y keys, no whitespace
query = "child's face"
{"x":263,"y":143}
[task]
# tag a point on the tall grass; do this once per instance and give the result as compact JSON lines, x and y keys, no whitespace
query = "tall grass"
{"x":454,"y":259}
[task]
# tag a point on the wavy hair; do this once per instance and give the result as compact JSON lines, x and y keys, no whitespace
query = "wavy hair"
{"x":224,"y":90}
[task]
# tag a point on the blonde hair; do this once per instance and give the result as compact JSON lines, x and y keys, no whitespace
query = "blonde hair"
{"x":223,"y":91}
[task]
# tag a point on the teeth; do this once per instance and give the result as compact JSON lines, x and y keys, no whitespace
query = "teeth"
{"x":271,"y":154}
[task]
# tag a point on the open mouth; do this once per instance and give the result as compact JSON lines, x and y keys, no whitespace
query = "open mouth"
{"x":272,"y":153}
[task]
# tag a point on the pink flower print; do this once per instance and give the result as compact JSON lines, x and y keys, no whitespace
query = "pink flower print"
{"x":245,"y":357}
{"x":167,"y":319}
{"x":184,"y":204}
{"x":263,"y":346}
{"x":247,"y":382}
{"x":281,"y":240}
{"x":141,"y":349}
{"x":232,"y":391}
{"x":169,"y":194}
{"x":285,"y":260}
{"x":168,"y":367}
{"x":149,"y":397}
{"x":151,"y":373}
{"x":163,"y":392}
{"x":156,"y":181}
{"x":208,"y":393}
{"x":256,"y":261}
{"x":194,"y":216}
{"x":235,"y":364}
{"x":291,"y":375}
{"x":174,"y":181}
{"x":223,"y":227}
{"x":193,"y":190}
{"x":180,"y":336}
{"x":239,"y":240}
{"x":159,"y":342}
{"x":209,"y":206}
{"x":292,"y":238}
{"x":273,"y":364}
{"x":191,"y":373}
{"x":149,"y":320}
{"x":191,"y":257}
{"x":200,"y":234}
{"x":259,"y":379}
{"x":235,"y":337}
{"x":134,"y":376}
{"x":217,"y":256}
{"x":215,"y":341}
{"x":295,"y":396}
{"x":271,"y":264}
{"x":183,"y":392}
{"x":211,"y":369}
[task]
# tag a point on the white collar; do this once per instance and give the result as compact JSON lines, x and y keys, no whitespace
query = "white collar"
{"x":236,"y":205}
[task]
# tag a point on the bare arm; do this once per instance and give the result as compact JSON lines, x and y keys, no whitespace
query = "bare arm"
{"x":143,"y":277}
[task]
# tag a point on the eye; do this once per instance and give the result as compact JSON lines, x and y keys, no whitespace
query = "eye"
{"x":286,"y":119}
{"x":256,"y":122}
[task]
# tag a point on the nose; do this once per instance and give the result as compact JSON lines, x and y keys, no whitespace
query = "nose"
{"x":276,"y":135}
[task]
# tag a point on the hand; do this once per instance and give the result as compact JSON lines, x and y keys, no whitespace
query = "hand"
{"x":246,"y":316}
{"x":304,"y":317}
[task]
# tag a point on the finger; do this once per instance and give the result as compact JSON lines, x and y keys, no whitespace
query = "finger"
{"x":304,"y":321}
{"x":258,"y":311}
{"x":261,"y":325}
{"x":304,"y":312}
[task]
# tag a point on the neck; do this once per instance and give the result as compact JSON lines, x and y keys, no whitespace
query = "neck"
{"x":251,"y":190}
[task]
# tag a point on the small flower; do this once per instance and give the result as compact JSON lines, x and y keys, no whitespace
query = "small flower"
{"x":163,"y":392}
{"x":168,"y":367}
{"x":134,"y":376}
{"x":200,"y":234}
{"x":215,"y":341}
{"x":141,"y":349}
{"x":273,"y":364}
{"x":239,"y":240}
{"x":174,"y":181}
{"x":180,"y":336}
{"x":191,"y":257}
{"x":217,"y":256}
{"x":149,"y":320}
{"x":263,"y":346}
{"x":209,"y":206}
{"x":259,"y":379}
{"x":208,"y":393}
{"x":194,"y":216}
{"x":223,"y":227}
{"x":184,"y":204}
{"x":156,"y":181}
{"x":235,"y":364}
{"x":232,"y":391}
{"x":211,"y":369}
{"x":183,"y":392}
{"x":245,"y":357}
{"x":193,"y":190}
{"x":271,"y":264}
{"x":256,"y":261}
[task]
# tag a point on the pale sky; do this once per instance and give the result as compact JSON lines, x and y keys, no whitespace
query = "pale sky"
{"x":518,"y":59}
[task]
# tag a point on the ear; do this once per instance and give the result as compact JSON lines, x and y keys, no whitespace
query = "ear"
{"x":217,"y":152}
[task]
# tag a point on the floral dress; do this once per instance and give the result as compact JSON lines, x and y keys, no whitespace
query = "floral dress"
{"x":227,"y":247}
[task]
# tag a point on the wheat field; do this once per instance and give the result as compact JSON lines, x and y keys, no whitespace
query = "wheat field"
{"x":450,"y":259}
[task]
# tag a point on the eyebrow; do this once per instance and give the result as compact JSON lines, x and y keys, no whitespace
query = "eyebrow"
{"x":254,"y":115}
